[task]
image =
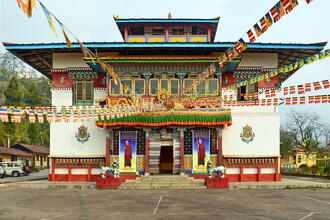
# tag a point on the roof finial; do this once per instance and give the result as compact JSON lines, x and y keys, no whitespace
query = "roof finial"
{"x":169,"y":15}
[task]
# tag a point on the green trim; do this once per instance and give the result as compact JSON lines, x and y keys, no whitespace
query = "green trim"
{"x":170,"y":118}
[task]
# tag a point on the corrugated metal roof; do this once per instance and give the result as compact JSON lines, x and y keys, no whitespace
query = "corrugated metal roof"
{"x":14,"y":152}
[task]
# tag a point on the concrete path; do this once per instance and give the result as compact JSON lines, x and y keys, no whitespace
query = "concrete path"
{"x":261,"y":204}
{"x":42,"y":175}
{"x":287,"y":182}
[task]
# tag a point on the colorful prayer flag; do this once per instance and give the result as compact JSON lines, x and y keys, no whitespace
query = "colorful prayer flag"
{"x":317,"y":85}
{"x":310,"y":99}
{"x":263,"y":24}
{"x":308,"y":87}
{"x":251,"y":36}
{"x":302,"y":100}
{"x":257,"y":30}
{"x":269,"y":19}
{"x":280,"y":9}
{"x":309,"y":1}
{"x":326,"y":84}
{"x":294,"y":101}
{"x":301,"y":89}
{"x":286,"y":90}
{"x":286,"y":4}
{"x":288,"y":101}
{"x":292,"y":90}
{"x":275,"y":14}
{"x":49,"y":17}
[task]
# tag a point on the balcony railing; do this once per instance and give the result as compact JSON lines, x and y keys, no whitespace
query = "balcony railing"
{"x":164,"y":38}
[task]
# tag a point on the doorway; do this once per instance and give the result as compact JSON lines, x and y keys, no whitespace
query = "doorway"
{"x":166,"y":160}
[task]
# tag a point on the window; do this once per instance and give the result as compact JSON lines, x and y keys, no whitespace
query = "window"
{"x":299,"y":158}
{"x":154,"y":86}
{"x":177,"y":31}
{"x":136,"y":30}
{"x":37,"y":157}
{"x":13,"y":158}
{"x":187,"y":83}
{"x":201,"y":87}
{"x":158,"y":31}
{"x":164,"y":84}
{"x":199,"y":30}
{"x":0,"y":159}
{"x":83,"y":92}
{"x":115,"y":89}
{"x":213,"y":86}
{"x":129,"y":83}
{"x":174,"y":86}
{"x":139,"y":86}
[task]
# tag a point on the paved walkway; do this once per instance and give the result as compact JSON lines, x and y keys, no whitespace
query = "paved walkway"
{"x":261,"y":204}
{"x":42,"y":175}
{"x":287,"y":182}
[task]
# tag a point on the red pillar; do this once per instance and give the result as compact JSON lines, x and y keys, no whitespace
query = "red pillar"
{"x":147,"y":165}
{"x":53,"y":168}
{"x":209,"y":34}
{"x":69,"y":173}
{"x":259,"y":174}
{"x":277,"y":174}
{"x":241,"y":174}
{"x":89,"y":179}
{"x":107,"y":151}
{"x":181,"y":150}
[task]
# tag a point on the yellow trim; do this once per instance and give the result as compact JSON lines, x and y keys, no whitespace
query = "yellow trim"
{"x":76,"y":156}
{"x":178,"y":39}
{"x":156,"y":39}
{"x":250,"y":156}
{"x":137,"y":40}
{"x":198,"y":39}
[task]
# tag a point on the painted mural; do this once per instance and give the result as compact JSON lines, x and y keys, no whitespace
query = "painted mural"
{"x":201,"y":150}
{"x":127,"y":151}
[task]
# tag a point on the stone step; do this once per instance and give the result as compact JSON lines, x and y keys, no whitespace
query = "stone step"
{"x":164,"y":182}
{"x":162,"y":187}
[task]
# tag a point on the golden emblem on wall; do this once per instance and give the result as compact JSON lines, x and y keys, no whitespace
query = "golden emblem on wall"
{"x":163,"y":95}
{"x":82,"y":135}
{"x":247,"y":134}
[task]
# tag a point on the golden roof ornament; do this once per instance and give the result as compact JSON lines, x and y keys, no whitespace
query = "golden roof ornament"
{"x":169,"y":15}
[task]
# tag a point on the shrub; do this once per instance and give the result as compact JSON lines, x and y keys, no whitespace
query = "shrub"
{"x":303,"y":167}
{"x":315,"y":169}
{"x":326,"y":171}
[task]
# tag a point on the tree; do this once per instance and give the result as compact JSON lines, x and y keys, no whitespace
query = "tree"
{"x":287,"y":142}
{"x":13,"y":93}
{"x":32,"y":97}
{"x":306,"y":130}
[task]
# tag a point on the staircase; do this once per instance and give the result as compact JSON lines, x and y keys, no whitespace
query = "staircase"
{"x":164,"y":182}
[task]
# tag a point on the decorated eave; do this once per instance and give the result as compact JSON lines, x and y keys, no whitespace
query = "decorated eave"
{"x":39,"y":56}
{"x":123,"y":22}
{"x":171,"y":118}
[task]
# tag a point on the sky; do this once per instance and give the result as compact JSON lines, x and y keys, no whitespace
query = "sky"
{"x":93,"y":21}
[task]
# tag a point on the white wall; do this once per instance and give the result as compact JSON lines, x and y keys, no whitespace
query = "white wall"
{"x":65,"y":60}
{"x":63,"y":141}
{"x":265,"y":123}
{"x":266,"y":60}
